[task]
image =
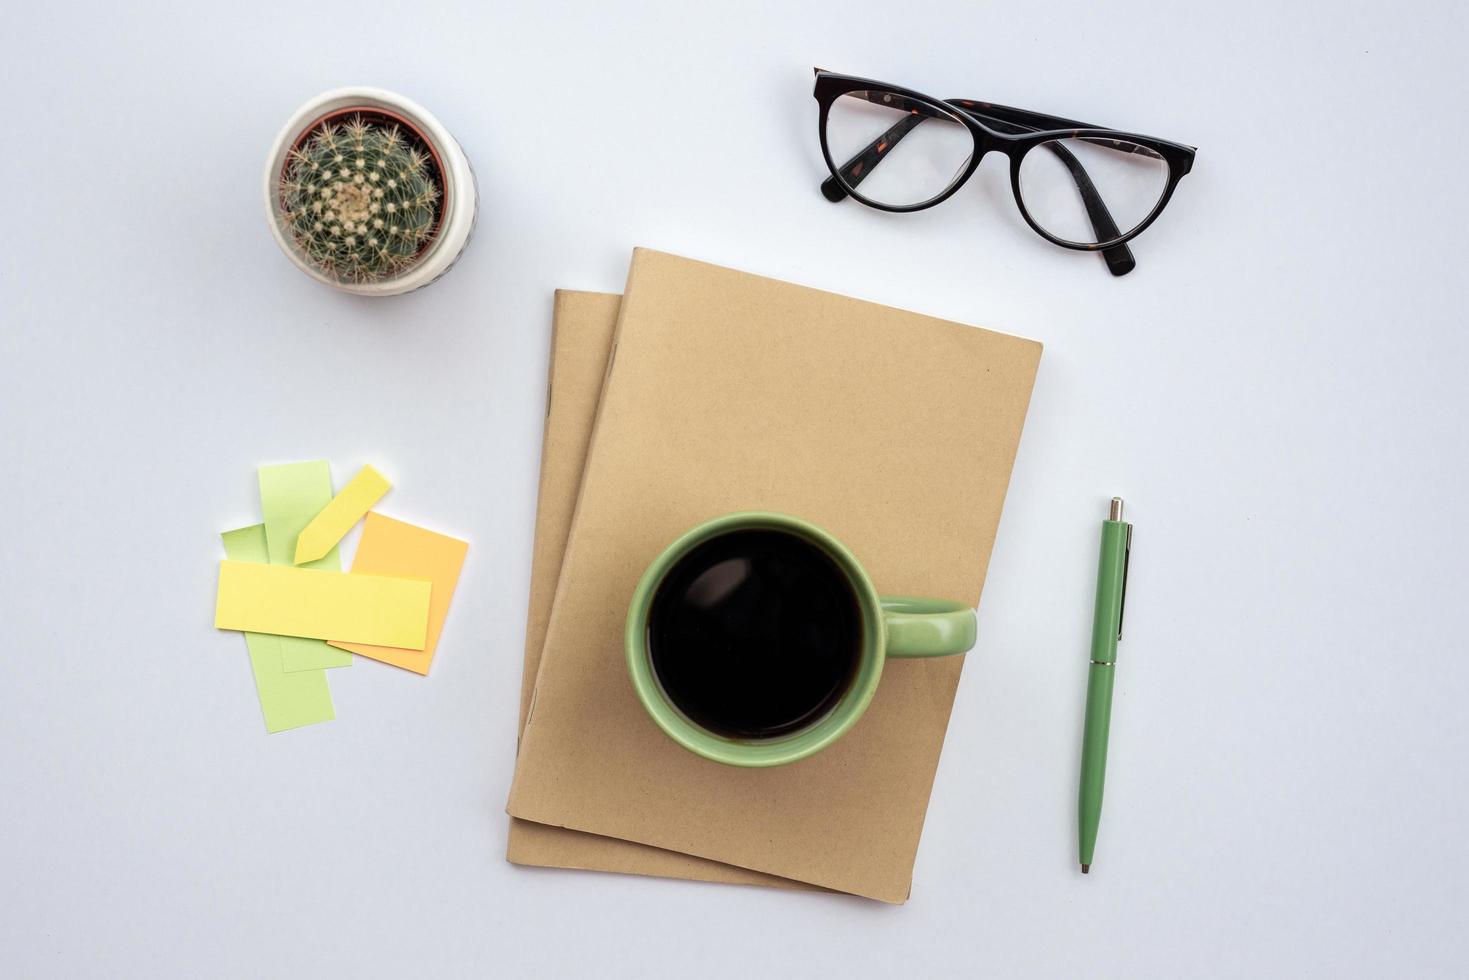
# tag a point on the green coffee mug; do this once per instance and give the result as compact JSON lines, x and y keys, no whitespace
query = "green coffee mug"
{"x":887,"y":626}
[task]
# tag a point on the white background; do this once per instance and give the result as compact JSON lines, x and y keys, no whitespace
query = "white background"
{"x":1279,"y":391}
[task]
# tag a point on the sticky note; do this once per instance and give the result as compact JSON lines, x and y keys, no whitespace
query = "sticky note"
{"x":305,"y":602}
{"x":291,"y":495}
{"x":288,"y":700}
{"x":337,"y":517}
{"x":390,"y":547}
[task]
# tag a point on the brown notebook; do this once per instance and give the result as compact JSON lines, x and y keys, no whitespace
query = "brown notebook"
{"x":893,"y":430}
{"x":581,"y":340}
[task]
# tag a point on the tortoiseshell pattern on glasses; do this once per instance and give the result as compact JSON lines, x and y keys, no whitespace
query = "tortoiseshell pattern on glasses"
{"x":1013,"y":132}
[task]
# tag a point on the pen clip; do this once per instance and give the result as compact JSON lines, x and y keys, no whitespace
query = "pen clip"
{"x":1126,"y":564}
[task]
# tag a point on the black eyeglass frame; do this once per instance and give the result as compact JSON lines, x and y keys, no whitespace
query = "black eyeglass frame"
{"x":983,"y":120}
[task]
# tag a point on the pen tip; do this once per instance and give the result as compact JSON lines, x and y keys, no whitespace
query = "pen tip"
{"x":1086,"y":869}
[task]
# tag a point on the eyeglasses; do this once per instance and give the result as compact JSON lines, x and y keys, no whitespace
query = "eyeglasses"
{"x":1080,"y":186}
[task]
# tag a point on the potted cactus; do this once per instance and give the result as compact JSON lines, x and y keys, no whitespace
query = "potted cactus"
{"x":367,"y":192}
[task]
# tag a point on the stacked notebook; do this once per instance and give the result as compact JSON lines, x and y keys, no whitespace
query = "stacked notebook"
{"x":703,"y":391}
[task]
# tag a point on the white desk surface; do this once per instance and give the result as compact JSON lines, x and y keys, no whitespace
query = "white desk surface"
{"x":1279,"y":391}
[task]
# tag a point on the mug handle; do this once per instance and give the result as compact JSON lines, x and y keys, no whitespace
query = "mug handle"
{"x":927,"y":627}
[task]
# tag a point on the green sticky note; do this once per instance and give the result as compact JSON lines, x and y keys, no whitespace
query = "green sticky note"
{"x":288,"y":700}
{"x":290,"y":496}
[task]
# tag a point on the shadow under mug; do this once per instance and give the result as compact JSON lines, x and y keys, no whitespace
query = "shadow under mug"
{"x":891,"y":626}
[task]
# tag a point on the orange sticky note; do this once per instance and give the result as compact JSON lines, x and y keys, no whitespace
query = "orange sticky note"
{"x":402,"y":550}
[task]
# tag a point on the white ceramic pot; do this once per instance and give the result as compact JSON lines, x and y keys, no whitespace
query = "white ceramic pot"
{"x":460,"y":195}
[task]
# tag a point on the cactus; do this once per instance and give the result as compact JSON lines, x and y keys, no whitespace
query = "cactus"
{"x":359,"y":199}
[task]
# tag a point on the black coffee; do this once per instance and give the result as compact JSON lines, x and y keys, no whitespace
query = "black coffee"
{"x":755,"y":634}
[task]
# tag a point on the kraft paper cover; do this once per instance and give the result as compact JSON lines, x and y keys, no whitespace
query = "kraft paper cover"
{"x":893,"y":430}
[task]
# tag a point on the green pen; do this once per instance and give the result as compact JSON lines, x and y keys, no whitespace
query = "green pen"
{"x":1106,"y":631}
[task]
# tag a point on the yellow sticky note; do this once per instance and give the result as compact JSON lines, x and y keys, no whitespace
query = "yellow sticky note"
{"x":390,"y":547}
{"x":306,"y":602}
{"x":338,"y":516}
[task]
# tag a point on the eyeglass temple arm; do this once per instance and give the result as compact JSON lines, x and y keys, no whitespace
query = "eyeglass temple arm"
{"x":855,"y":170}
{"x":1119,"y":258}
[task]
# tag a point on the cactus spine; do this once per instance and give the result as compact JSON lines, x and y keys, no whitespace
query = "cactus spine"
{"x":359,"y":200}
